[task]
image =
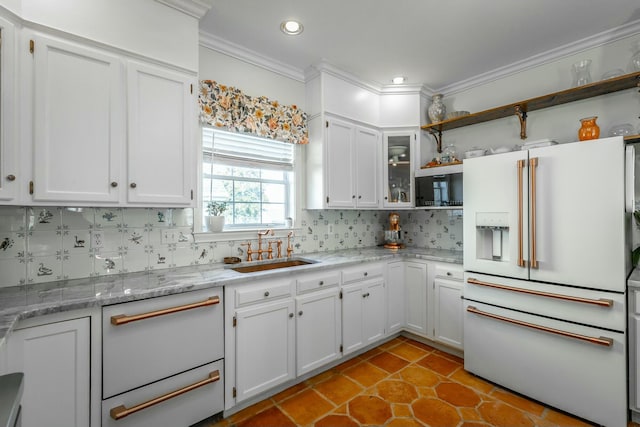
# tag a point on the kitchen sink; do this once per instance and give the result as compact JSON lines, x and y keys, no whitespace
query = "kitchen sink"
{"x":271,"y":265}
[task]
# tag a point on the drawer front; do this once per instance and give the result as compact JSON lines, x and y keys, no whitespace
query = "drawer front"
{"x":152,"y":348}
{"x":589,"y":380}
{"x":263,"y":291}
{"x":451,"y":271}
{"x":318,"y":281}
{"x":198,"y":394}
{"x":590,"y":307}
{"x":361,"y":272}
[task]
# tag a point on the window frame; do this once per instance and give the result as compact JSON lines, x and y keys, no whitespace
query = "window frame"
{"x":201,"y":234}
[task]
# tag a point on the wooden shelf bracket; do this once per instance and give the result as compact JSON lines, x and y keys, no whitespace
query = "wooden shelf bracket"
{"x":522,"y":116}
{"x":438,"y":137}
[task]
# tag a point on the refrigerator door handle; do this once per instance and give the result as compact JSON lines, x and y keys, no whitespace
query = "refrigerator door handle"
{"x":521,"y":262}
{"x":533,"y":164}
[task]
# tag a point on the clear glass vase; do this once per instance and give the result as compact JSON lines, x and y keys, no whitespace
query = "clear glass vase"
{"x":581,"y":73}
{"x":634,"y":65}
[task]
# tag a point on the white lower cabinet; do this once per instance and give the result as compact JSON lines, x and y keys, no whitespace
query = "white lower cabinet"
{"x":395,"y":296}
{"x":448,"y":310}
{"x":318,"y":322}
{"x":416,"y":297}
{"x":363,"y":313}
{"x":181,"y":400}
{"x":634,"y":354}
{"x":260,"y":338}
{"x":55,"y":359}
{"x":265,"y":349}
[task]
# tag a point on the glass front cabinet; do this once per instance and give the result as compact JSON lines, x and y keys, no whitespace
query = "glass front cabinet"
{"x":398,"y":161}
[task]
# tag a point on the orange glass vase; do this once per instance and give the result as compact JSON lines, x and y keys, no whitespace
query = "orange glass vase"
{"x":589,"y":129}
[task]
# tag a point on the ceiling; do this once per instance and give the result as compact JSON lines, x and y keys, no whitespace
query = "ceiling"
{"x":437,"y":44}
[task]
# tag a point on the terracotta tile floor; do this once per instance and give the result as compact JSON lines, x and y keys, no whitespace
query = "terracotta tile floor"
{"x":400,"y":383}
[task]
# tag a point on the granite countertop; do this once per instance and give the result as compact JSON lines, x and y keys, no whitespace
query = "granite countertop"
{"x":24,"y":302}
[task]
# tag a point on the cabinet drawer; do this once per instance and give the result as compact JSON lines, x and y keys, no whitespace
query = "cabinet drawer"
{"x":165,"y":336}
{"x":635,"y":302}
{"x":361,"y":272}
{"x":264,"y":291}
{"x":197,"y":394}
{"x":450,"y":271}
{"x":318,"y":281}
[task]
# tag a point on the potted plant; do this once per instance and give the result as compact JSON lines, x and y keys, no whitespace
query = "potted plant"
{"x":215,"y":217}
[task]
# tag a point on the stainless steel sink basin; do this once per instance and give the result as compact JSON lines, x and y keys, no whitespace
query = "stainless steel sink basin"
{"x":271,"y":265}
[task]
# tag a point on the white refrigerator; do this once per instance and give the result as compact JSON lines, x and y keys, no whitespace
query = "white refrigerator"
{"x":546,"y":258}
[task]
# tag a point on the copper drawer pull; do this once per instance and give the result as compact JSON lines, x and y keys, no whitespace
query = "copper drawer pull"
{"x":601,"y":302}
{"x":121,"y":411}
{"x":121,"y":319}
{"x":607,"y":342}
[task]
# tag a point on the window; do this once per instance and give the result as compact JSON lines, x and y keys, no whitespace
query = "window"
{"x":253,"y":175}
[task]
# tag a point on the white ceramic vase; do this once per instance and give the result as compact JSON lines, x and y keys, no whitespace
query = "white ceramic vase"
{"x":216,"y":223}
{"x":437,"y":110}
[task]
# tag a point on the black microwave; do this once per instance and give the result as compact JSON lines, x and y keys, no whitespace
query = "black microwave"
{"x":439,"y":190}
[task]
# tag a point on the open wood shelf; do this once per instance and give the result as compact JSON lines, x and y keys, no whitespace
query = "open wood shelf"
{"x":521,"y":108}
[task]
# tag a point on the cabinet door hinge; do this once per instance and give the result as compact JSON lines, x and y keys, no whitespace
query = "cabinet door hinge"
{"x":30,"y":187}
{"x":341,"y":348}
{"x":326,"y":124}
{"x":235,"y":392}
{"x":32,"y":46}
{"x":235,"y":321}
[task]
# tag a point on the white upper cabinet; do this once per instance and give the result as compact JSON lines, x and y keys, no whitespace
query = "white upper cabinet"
{"x":397,"y":164}
{"x":161,"y":160}
{"x":107,"y":129}
{"x":351,"y":165}
{"x":9,"y":174}
{"x":78,"y":122}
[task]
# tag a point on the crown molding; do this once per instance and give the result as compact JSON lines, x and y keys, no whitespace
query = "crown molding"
{"x":195,"y":8}
{"x":226,"y":47}
{"x":597,"y":40}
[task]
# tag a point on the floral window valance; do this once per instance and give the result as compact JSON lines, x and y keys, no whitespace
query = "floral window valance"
{"x":227,"y":107}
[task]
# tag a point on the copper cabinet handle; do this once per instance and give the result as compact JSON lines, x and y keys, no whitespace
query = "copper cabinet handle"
{"x":607,"y":342}
{"x":266,"y":294}
{"x":521,"y":262}
{"x":121,"y":411}
{"x":114,"y":184}
{"x":133,"y":185}
{"x":300,"y":313}
{"x":533,"y":164}
{"x":603,"y":302}
{"x":11,"y":177}
{"x":121,"y":319}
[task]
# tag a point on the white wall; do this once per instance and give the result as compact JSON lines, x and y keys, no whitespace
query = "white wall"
{"x":145,"y":27}
{"x":560,"y":122}
{"x":250,"y":79}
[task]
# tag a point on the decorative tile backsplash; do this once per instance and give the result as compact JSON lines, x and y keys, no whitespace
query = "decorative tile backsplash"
{"x":42,"y":244}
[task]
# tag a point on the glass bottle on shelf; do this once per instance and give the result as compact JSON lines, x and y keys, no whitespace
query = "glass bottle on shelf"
{"x":397,"y":173}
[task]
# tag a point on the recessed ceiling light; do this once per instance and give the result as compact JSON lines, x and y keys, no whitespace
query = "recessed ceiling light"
{"x":398,"y":80}
{"x":291,"y":27}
